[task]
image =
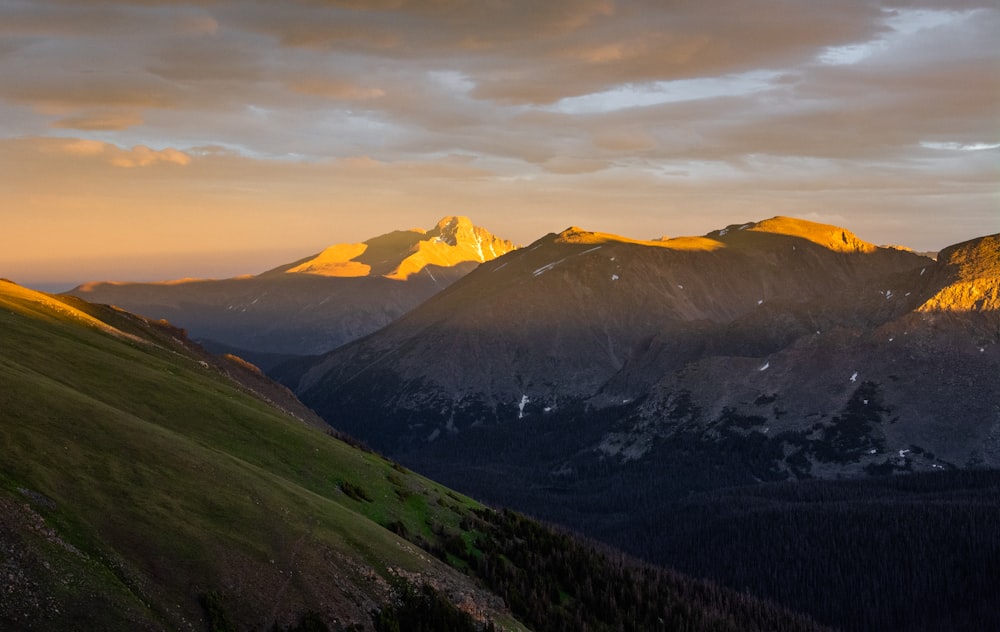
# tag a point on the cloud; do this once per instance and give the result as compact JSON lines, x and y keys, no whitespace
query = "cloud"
{"x":99,"y":121}
{"x":138,"y":156}
{"x":142,"y":156}
{"x":80,"y":147}
{"x":335,"y":90}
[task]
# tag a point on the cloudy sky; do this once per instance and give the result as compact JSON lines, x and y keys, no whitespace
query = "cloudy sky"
{"x":158,"y":139}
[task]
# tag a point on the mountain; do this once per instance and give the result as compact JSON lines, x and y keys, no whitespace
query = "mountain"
{"x":785,"y":329}
{"x":315,"y":304}
{"x":597,"y":381}
{"x":146,"y":484}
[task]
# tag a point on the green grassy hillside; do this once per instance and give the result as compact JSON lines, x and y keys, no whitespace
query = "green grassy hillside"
{"x":136,"y":482}
{"x":145,"y":484}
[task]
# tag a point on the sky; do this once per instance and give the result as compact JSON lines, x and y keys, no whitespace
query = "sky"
{"x":160,"y":139}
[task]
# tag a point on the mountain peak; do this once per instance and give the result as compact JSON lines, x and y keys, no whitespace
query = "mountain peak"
{"x":576,"y":235}
{"x":974,"y":258}
{"x":825,"y":235}
{"x":400,"y":254}
{"x":828,"y":236}
{"x":974,"y":284}
{"x":453,"y":225}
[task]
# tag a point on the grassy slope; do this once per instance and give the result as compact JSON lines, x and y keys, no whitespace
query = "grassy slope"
{"x":135,"y":478}
{"x":141,"y":488}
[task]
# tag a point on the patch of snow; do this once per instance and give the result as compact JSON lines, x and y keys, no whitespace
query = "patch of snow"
{"x":760,"y":301}
{"x":873,"y":451}
{"x":935,"y":465}
{"x":479,"y":248}
{"x":723,"y":232}
{"x":865,"y":402}
{"x":434,"y":435}
{"x":521,"y":405}
{"x":680,"y":286}
{"x":854,"y":376}
{"x":746,"y":226}
{"x":766,"y":429}
{"x":627,"y":401}
{"x":765,"y":366}
{"x":428,"y":271}
{"x":922,"y":270}
{"x":547,"y":409}
{"x":536,"y":247}
{"x":908,"y":293}
{"x":612,"y":258}
{"x":502,"y":265}
{"x":546,"y":268}
{"x":614,"y":277}
{"x":590,"y":250}
{"x":902,"y":453}
{"x":888,"y":294}
{"x":891,"y":339}
{"x":982,"y":349}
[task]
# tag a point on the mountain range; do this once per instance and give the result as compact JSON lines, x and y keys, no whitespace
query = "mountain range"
{"x":615,"y":386}
{"x":715,"y":404}
{"x":784,"y":332}
{"x":317,"y":303}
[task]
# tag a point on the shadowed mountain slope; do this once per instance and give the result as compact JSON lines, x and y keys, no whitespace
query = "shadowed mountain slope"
{"x":318,"y":303}
{"x":146,"y":485}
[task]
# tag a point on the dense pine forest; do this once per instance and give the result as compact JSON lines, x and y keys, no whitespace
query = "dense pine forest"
{"x":908,"y":552}
{"x":556,"y":581}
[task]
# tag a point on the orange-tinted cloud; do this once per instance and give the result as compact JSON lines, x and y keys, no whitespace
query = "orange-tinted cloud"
{"x":138,"y":156}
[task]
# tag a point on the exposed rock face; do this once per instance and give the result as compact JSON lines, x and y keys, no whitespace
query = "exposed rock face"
{"x":828,"y":354}
{"x":318,"y":303}
{"x":402,"y":254}
{"x":972,"y":270}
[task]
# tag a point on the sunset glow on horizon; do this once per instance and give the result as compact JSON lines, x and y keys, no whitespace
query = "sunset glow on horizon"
{"x":155,"y":140}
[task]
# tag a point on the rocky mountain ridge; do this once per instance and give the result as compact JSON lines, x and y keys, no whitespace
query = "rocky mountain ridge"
{"x":401,"y":254}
